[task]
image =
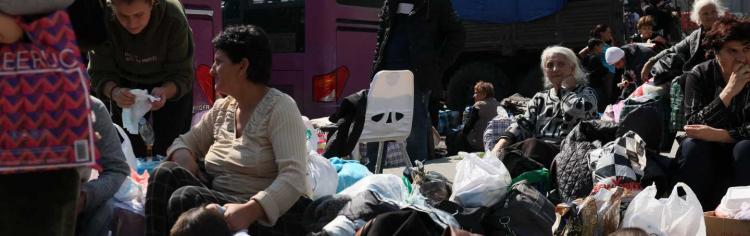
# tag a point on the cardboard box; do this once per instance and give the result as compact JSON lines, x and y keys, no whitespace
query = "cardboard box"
{"x":725,"y":227}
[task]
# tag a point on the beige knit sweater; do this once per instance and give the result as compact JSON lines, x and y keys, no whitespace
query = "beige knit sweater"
{"x":267,"y":163}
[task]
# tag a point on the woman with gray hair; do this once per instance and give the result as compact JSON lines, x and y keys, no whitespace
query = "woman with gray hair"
{"x":704,"y":13}
{"x":552,"y":113}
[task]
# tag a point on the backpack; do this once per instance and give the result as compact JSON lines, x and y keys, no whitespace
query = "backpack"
{"x":525,"y":211}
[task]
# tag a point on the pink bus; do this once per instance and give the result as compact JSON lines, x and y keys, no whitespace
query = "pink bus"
{"x":323,"y":50}
{"x":204,"y":17}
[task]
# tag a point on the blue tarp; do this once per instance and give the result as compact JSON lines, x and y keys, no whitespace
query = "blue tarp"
{"x":506,"y":11}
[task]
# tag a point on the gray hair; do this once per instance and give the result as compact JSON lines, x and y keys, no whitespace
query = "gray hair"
{"x":695,"y":15}
{"x":569,"y":55}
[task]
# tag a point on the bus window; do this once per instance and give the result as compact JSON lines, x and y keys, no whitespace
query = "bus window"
{"x":283,"y":21}
{"x":361,"y":3}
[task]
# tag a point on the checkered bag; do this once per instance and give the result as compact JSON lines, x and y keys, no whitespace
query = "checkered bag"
{"x":619,"y":163}
{"x":495,"y":128}
{"x":45,"y":115}
{"x":392,"y":154}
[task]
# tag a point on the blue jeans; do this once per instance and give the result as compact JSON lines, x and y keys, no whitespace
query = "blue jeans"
{"x":418,"y":142}
{"x":709,"y":168}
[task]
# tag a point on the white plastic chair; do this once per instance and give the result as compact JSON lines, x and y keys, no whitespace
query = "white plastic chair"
{"x":389,"y":112}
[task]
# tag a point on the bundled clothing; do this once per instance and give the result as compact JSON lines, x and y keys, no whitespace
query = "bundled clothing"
{"x":570,"y":170}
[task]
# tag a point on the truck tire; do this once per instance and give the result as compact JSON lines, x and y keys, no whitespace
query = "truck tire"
{"x":531,"y":83}
{"x":461,"y":84}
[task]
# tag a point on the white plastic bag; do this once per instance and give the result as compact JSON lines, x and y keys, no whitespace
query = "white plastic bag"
{"x":387,"y":186}
{"x":479,"y":181}
{"x":322,"y":178}
{"x":127,"y":148}
{"x":311,"y":135}
{"x":732,"y":201}
{"x":666,"y":216}
{"x":129,"y":190}
{"x":131,"y":115}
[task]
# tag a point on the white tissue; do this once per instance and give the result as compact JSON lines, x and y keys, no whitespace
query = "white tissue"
{"x":132,"y":114}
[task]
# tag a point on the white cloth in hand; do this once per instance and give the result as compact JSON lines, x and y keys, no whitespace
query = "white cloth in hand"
{"x":132,"y":114}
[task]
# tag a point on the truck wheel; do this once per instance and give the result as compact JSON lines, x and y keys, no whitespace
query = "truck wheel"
{"x":461,"y":85}
{"x":531,"y":83}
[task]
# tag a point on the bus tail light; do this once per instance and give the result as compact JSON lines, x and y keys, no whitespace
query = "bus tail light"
{"x":205,"y":82}
{"x":328,"y":87}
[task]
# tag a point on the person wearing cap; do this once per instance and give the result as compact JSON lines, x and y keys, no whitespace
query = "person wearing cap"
{"x":628,"y":60}
{"x":554,"y":112}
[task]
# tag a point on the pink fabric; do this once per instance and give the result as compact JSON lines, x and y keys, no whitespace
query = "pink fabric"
{"x":617,"y":109}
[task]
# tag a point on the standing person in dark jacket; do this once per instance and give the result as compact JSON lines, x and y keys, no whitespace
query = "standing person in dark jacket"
{"x":424,"y":36}
{"x":716,"y":153}
{"x":149,"y":46}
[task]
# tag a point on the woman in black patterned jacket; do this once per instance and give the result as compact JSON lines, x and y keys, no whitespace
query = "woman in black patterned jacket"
{"x":716,"y":153}
{"x":554,"y":112}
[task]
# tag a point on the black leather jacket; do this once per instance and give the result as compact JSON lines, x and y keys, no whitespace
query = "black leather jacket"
{"x":436,"y":37}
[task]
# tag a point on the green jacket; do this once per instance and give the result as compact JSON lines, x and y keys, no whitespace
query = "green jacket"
{"x":162,"y":52}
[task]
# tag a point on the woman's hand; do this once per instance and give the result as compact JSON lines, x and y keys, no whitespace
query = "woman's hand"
{"x":241,"y":216}
{"x":10,"y":31}
{"x":623,"y":84}
{"x":708,"y":133}
{"x":185,"y":159}
{"x":737,"y":81}
{"x":123,"y":97}
{"x":500,"y":145}
{"x":166,"y":91}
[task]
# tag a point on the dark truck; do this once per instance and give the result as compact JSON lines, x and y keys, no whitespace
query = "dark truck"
{"x":507,"y":55}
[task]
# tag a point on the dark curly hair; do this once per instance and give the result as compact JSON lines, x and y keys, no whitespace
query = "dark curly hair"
{"x":727,"y":29}
{"x":247,"y":42}
{"x":597,"y":31}
{"x":200,"y":221}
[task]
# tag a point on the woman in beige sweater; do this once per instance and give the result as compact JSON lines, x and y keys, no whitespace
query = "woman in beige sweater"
{"x":251,"y":144}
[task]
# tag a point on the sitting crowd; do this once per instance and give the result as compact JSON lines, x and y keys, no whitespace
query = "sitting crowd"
{"x":245,"y":163}
{"x":712,"y":93}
